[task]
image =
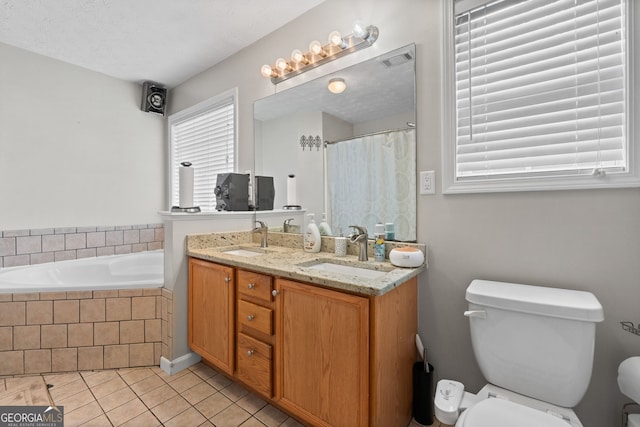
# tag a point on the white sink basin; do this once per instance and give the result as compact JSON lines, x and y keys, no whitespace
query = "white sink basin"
{"x":243,"y":252}
{"x":348,"y":270}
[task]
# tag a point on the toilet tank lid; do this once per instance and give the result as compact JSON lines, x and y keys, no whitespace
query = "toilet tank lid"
{"x":554,"y":302}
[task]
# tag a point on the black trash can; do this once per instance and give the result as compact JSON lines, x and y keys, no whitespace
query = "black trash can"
{"x":423,"y":394}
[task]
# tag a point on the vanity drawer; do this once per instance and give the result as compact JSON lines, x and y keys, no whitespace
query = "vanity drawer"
{"x":255,"y":316}
{"x":255,"y":285}
{"x":254,"y":365}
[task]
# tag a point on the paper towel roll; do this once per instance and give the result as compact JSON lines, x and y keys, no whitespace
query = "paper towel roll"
{"x":186,"y":185}
{"x":292,"y":200}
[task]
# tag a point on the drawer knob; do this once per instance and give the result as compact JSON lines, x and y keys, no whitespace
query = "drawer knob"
{"x":249,"y":353}
{"x":250,"y":317}
{"x":275,"y":292}
{"x":227,"y":279}
{"x":251,"y":285}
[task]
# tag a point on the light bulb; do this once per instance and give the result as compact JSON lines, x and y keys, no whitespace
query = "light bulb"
{"x":315,"y":47}
{"x":337,"y":85}
{"x":297,"y":57}
{"x":281,"y":64}
{"x":266,"y":71}
{"x":335,"y":38}
{"x":360,"y":30}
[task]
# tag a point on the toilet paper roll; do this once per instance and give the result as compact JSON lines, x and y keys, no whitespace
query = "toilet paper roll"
{"x":186,"y":187}
{"x":292,"y":200}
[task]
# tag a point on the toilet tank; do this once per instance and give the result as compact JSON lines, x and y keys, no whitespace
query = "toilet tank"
{"x":534,"y":340}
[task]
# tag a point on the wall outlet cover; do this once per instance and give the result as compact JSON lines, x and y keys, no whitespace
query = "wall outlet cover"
{"x":427,"y":182}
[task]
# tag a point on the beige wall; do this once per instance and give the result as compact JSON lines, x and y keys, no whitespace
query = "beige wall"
{"x":588,"y":240}
{"x":75,"y":149}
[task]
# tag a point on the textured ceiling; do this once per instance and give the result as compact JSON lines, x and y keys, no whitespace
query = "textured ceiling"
{"x":166,"y":41}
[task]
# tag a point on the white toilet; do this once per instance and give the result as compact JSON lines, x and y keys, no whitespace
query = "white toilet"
{"x":629,"y":383}
{"x":534,"y":346}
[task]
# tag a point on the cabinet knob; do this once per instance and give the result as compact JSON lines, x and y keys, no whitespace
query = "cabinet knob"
{"x":227,"y":279}
{"x":275,"y":292}
{"x":250,"y":317}
{"x":249,"y":353}
{"x":251,"y":285}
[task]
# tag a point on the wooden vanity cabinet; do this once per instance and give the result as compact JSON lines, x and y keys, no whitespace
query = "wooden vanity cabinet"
{"x":330,"y":358}
{"x":211,"y":316}
{"x":255,"y":331}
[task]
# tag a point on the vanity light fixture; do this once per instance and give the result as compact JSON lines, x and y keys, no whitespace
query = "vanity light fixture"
{"x":337,"y":46}
{"x":337,"y":85}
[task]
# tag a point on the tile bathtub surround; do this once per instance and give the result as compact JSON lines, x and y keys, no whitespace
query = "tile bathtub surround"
{"x":37,"y":246}
{"x":84,"y":330}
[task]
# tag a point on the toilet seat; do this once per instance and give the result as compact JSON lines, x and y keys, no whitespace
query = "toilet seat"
{"x":495,"y":412}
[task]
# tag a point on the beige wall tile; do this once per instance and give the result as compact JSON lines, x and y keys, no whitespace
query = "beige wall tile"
{"x":79,"y":294}
{"x":52,"y":295}
{"x":106,"y":333}
{"x":123,"y":249}
{"x":96,"y":239}
{"x":26,"y":337}
{"x":143,"y":307}
{"x":53,"y":336}
{"x":42,"y":257}
{"x":153,"y":246}
{"x":139,"y":247}
{"x":6,"y":340}
{"x":147,"y":235}
{"x":118,"y":309}
{"x":80,"y":334}
{"x":75,"y":241}
{"x":90,"y":358}
{"x":37,"y":361}
{"x":157,"y":352}
{"x":16,"y":260}
{"x":116,"y":356}
{"x":159,"y":234}
{"x":86,"y":253}
{"x":130,"y":292}
{"x":53,"y":243}
{"x":153,"y":330}
{"x":7,"y":246}
{"x":12,"y":363}
{"x":105,"y":250}
{"x":131,"y":236}
{"x":114,"y":238}
{"x":30,"y":296}
{"x":147,"y":292}
{"x":141,"y":354}
{"x":6,"y":297}
{"x":64,"y":359}
{"x":64,"y":255}
{"x":28,"y":245}
{"x":105,"y":294}
{"x":39,"y":312}
{"x":92,"y":310}
{"x":66,"y":311}
{"x":12,"y":313}
{"x":131,"y":331}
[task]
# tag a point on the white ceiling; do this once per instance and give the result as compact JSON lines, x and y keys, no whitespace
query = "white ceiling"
{"x":165,"y":41}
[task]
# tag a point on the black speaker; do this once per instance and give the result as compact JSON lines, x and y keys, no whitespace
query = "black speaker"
{"x":232,"y":192}
{"x":154,"y":98}
{"x":265,"y":193}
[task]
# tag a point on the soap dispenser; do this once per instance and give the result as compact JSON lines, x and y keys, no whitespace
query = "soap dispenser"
{"x":324,"y":227}
{"x":312,"y":240}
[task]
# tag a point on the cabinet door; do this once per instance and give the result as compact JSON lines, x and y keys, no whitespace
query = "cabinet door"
{"x":323,"y":354}
{"x":212,"y":313}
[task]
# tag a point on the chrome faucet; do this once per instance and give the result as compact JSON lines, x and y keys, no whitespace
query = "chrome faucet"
{"x":263,"y":229}
{"x":362,"y":239}
{"x":287,"y":225}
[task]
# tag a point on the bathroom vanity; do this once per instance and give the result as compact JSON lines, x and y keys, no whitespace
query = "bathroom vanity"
{"x":331,"y":346}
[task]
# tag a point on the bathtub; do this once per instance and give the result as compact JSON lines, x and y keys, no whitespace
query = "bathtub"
{"x":130,"y":271}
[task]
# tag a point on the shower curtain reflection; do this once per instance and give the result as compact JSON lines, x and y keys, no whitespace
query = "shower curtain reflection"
{"x":373,"y":181}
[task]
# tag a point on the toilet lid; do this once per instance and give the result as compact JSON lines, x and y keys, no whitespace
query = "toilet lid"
{"x":503,"y":413}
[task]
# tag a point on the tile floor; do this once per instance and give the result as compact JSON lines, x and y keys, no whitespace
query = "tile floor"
{"x":140,"y":397}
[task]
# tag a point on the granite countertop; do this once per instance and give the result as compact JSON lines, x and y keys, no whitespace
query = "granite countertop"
{"x":290,"y":261}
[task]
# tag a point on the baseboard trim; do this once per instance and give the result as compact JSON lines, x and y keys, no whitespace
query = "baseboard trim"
{"x":176,"y":365}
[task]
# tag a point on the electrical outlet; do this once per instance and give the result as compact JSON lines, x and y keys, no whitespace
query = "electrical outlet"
{"x":427,"y":182}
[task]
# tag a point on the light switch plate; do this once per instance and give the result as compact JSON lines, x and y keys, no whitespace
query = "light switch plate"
{"x":427,"y":182}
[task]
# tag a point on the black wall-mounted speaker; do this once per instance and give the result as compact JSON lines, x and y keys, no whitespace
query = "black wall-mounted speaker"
{"x":154,"y":98}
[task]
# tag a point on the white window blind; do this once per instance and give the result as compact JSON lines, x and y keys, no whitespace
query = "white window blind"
{"x":204,"y":136}
{"x":540,"y":88}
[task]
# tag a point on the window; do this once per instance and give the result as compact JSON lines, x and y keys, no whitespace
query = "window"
{"x":205,"y":136}
{"x":536,"y":95}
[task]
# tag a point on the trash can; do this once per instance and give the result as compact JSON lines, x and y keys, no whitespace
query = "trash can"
{"x":423,"y":394}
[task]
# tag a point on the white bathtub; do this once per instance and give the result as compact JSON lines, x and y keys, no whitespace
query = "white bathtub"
{"x":138,"y":270}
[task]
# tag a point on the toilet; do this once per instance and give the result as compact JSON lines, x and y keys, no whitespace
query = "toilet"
{"x":534,"y":346}
{"x":629,"y":383}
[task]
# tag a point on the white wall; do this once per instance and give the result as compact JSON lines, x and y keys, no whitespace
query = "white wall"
{"x":588,"y":240}
{"x":75,"y":149}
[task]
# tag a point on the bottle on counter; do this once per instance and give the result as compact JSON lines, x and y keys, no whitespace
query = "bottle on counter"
{"x":378,"y":245}
{"x":324,"y":227}
{"x":312,"y":240}
{"x":340,"y":244}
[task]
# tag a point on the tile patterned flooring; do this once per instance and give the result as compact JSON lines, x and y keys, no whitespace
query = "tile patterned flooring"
{"x":140,"y":397}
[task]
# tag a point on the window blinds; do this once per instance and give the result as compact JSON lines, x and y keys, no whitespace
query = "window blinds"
{"x":540,"y":88}
{"x":207,"y":140}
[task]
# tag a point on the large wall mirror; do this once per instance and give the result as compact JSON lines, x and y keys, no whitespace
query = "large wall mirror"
{"x":353,"y":154}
